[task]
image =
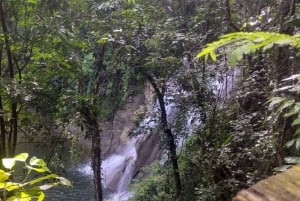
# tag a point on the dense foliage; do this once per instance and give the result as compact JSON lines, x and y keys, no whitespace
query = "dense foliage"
{"x":75,"y":63}
{"x":249,"y":133}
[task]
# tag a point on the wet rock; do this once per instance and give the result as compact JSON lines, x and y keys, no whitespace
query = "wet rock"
{"x":148,"y":149}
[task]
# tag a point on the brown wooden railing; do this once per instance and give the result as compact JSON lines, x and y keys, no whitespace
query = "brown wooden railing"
{"x":281,"y":187}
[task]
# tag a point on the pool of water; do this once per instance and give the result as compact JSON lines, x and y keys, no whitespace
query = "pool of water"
{"x":82,"y":189}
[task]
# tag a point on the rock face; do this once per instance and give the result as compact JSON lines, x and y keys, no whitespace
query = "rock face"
{"x":148,"y":148}
{"x":115,"y":133}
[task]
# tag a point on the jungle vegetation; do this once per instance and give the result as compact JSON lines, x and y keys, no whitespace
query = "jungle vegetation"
{"x":76,"y":62}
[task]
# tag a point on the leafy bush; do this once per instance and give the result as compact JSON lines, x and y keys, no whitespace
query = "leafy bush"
{"x":156,"y":186}
{"x":28,"y":189}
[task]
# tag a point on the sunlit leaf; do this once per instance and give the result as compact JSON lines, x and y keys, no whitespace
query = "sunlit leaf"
{"x":284,"y":42}
{"x":10,"y":186}
{"x":297,"y":132}
{"x":286,"y":104}
{"x":32,"y":1}
{"x":39,"y":165}
{"x":64,"y":181}
{"x":102,"y":41}
{"x":275,"y":100}
{"x":292,"y":160}
{"x":267,"y":47}
{"x":4,"y":175}
{"x":213,"y":56}
{"x":290,"y":143}
{"x":296,"y":122}
{"x":293,"y":77}
{"x":37,"y":180}
{"x":282,"y":168}
{"x":8,"y":163}
{"x":249,"y":42}
{"x":21,"y":157}
{"x":294,"y":110}
{"x":48,"y":186}
{"x":41,"y":196}
{"x":297,"y":144}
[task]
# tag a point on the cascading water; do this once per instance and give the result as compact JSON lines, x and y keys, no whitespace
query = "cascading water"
{"x":118,"y":171}
{"x":119,"y":168}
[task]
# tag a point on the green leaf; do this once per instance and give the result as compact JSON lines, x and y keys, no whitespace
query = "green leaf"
{"x":267,"y":47}
{"x":213,"y":56}
{"x":48,"y":186}
{"x":274,"y":101}
{"x":236,"y":56}
{"x":64,"y":181}
{"x":290,"y":143}
{"x":232,"y":60}
{"x":249,"y":42}
{"x":4,"y":175}
{"x":297,"y":131}
{"x":298,"y":144}
{"x":10,"y":186}
{"x":286,"y":104}
{"x":8,"y":163}
{"x":41,"y":196}
{"x":204,"y":52}
{"x":284,"y":42}
{"x":294,"y":110}
{"x":37,"y":180}
{"x":21,"y":157}
{"x":245,"y":49}
{"x":228,"y":139}
{"x":28,"y":195}
{"x":292,"y":160}
{"x":296,"y":121}
{"x":32,"y":1}
{"x":102,"y":41}
{"x":282,"y":168}
{"x":39,"y":165}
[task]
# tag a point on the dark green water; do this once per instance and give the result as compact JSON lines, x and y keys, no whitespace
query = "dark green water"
{"x":82,"y":189}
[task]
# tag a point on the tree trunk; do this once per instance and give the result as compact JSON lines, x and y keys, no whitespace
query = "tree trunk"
{"x":228,"y":18}
{"x":12,"y":140}
{"x":2,"y":122}
{"x":283,"y":62}
{"x":96,"y":163}
{"x":170,"y":137}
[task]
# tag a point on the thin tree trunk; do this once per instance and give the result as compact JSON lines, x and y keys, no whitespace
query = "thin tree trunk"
{"x":14,"y":115}
{"x":2,"y":122}
{"x":3,"y":131}
{"x":91,"y":121}
{"x":96,"y":163}
{"x":169,"y":135}
{"x":14,"y":121}
{"x":283,"y":62}
{"x":228,"y":16}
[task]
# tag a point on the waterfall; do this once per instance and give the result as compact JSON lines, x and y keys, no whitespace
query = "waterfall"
{"x":118,"y":171}
{"x":119,"y":168}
